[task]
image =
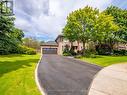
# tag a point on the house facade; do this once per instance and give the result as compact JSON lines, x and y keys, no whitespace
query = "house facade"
{"x":58,"y":46}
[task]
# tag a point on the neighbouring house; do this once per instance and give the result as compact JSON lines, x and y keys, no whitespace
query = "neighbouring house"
{"x":58,"y":46}
{"x":121,"y":46}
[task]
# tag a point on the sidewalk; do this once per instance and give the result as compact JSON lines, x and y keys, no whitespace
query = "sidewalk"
{"x":111,"y":80}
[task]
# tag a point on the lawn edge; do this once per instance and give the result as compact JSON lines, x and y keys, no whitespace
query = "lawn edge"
{"x":89,"y":62}
{"x":37,"y":79}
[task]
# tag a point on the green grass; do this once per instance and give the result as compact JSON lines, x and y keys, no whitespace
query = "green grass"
{"x":17,"y":75}
{"x":105,"y":60}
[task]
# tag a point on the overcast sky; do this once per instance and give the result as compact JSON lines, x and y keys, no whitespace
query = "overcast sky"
{"x":44,"y":19}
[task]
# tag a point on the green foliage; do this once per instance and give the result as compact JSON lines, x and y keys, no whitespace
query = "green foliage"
{"x":27,"y":50}
{"x":120,"y":18}
{"x":89,"y":53}
{"x":21,"y":50}
{"x":72,"y":52}
{"x":10,"y":36}
{"x":120,"y":52}
{"x":31,"y":43}
{"x":103,"y":49}
{"x":79,"y":24}
{"x":67,"y":54}
{"x":88,"y":25}
{"x":104,"y":29}
{"x":66,"y":51}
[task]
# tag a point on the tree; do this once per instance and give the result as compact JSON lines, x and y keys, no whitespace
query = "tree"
{"x":10,"y":36}
{"x":88,"y":24}
{"x":104,"y":30}
{"x":31,"y":43}
{"x":120,"y":18}
{"x":79,"y":24}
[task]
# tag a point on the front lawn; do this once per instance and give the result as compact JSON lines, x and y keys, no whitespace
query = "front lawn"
{"x":105,"y":60}
{"x":17,"y":75}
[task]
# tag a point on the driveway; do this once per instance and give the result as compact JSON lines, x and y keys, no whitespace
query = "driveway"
{"x":60,"y":75}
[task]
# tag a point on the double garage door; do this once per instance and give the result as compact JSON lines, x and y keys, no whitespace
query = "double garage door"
{"x":49,"y":50}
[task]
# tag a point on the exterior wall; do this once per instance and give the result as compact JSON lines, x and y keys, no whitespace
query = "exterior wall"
{"x":62,"y":43}
{"x":60,"y":48}
{"x":121,"y":46}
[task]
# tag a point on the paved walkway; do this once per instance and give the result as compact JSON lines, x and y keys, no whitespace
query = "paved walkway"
{"x":111,"y":80}
{"x":60,"y":75}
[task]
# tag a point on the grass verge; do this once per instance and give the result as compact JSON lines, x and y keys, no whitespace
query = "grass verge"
{"x":105,"y":60}
{"x":17,"y":75}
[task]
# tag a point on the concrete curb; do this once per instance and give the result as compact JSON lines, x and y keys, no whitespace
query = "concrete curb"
{"x":116,"y":84}
{"x":37,"y":80}
{"x":93,"y":80}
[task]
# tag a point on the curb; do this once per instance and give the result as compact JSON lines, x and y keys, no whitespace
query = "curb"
{"x":37,"y":80}
{"x":96,"y":76}
{"x":88,"y":91}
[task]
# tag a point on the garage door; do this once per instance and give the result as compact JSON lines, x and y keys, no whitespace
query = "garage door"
{"x":49,"y":50}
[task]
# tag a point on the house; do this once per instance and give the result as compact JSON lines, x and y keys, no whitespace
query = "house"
{"x":120,"y":46}
{"x":58,"y":46}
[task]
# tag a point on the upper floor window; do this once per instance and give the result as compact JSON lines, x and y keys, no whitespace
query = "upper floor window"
{"x":65,"y":40}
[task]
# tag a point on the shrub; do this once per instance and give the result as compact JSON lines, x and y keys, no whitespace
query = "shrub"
{"x":80,"y":52}
{"x":78,"y":56}
{"x":68,"y":52}
{"x":22,"y":50}
{"x":30,"y":51}
{"x":66,"y":49}
{"x":90,"y":53}
{"x":3,"y":52}
{"x":103,"y":49}
{"x":26,"y":50}
{"x":120,"y":52}
{"x":72,"y":52}
{"x":87,"y":53}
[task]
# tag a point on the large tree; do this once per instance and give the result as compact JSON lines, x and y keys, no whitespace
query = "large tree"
{"x":120,"y":18}
{"x":104,"y":30}
{"x":79,"y":24}
{"x":10,"y":36}
{"x":88,"y":24}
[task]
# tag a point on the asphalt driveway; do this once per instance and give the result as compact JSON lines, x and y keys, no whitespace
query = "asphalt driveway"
{"x":60,"y":75}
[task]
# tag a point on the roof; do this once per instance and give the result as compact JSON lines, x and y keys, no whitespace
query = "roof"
{"x":49,"y":43}
{"x":58,"y":37}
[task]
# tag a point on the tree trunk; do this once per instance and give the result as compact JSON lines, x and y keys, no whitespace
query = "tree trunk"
{"x":78,"y":46}
{"x":84,"y":45}
{"x":71,"y":45}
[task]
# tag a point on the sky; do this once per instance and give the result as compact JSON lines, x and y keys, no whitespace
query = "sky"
{"x":45,"y":19}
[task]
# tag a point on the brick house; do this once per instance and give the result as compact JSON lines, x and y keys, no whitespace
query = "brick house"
{"x":58,"y":46}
